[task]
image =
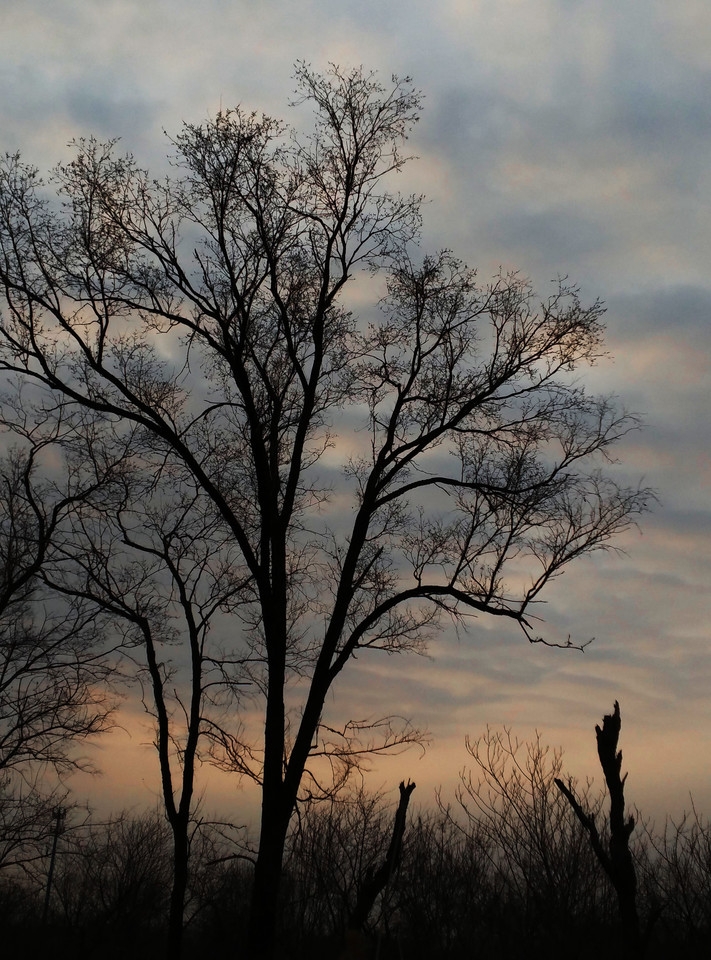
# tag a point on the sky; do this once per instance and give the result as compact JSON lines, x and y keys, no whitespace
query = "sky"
{"x":558,"y":137}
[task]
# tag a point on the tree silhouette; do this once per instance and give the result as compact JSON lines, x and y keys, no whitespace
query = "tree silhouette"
{"x":160,"y":571}
{"x":373,"y":474}
{"x":55,"y":658}
{"x":615,"y":857}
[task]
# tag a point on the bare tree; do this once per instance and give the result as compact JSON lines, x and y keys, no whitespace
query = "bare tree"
{"x":206,"y":316}
{"x":116,"y":874}
{"x":27,"y":805}
{"x":538,"y":853}
{"x":675,"y":879}
{"x":333,"y":850}
{"x":448,"y":896}
{"x":162,"y":571}
{"x":54,"y":658}
{"x":615,"y":857}
{"x":377,"y":879}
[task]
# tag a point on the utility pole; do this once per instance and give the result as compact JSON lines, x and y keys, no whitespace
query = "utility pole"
{"x":58,"y":814}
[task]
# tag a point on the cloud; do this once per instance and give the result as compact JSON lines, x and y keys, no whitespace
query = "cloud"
{"x":558,"y":137}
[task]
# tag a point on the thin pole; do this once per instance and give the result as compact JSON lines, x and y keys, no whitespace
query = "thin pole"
{"x":58,"y":814}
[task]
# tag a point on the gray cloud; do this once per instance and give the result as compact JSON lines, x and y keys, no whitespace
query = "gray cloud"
{"x":679,"y":311}
{"x":110,"y":111}
{"x":561,"y":235}
{"x":557,"y":137}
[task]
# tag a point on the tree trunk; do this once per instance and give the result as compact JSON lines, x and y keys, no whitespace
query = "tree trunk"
{"x":355,"y":946}
{"x":181,"y":852}
{"x":264,"y":912}
{"x":623,"y":873}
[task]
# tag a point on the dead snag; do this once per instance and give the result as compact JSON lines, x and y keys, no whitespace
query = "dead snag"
{"x":617,"y":862}
{"x":376,"y":881}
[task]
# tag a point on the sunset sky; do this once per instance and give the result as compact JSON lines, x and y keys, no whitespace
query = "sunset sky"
{"x":559,"y":137}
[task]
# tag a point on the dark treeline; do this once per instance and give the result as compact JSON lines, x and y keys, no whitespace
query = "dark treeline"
{"x":504,"y":870}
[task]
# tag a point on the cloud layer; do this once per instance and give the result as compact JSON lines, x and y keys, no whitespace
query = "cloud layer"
{"x":561,"y":138}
